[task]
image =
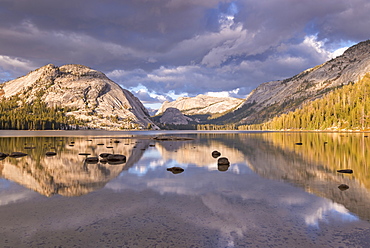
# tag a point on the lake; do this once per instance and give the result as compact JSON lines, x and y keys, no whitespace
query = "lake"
{"x":280,"y":189}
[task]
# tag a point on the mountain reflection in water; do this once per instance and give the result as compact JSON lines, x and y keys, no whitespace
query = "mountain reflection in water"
{"x":312,"y":165}
{"x":66,"y":173}
{"x":272,"y":186}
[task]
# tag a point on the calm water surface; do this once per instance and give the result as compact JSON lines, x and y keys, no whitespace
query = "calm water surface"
{"x":275,"y":193}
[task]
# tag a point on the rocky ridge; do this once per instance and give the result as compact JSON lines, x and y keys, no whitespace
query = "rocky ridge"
{"x":94,"y":98}
{"x":277,"y":97}
{"x":274,"y":98}
{"x":201,"y":105}
{"x":174,"y":116}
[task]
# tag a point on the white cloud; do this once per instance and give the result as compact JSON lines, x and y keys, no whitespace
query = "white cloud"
{"x":12,"y":66}
{"x":13,"y":63}
{"x":338,"y":52}
{"x":218,"y":94}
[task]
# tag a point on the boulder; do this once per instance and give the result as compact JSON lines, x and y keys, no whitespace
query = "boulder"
{"x":116,"y":158}
{"x":104,"y":160}
{"x":17,"y":154}
{"x":349,"y":171}
{"x":175,"y":170}
{"x":343,"y":187}
{"x":223,"y":167}
{"x":216,"y":154}
{"x":84,"y":154}
{"x":3,"y":155}
{"x":50,"y":154}
{"x":92,"y":160}
{"x":104,"y":155}
{"x":223,"y":161}
{"x":29,"y":147}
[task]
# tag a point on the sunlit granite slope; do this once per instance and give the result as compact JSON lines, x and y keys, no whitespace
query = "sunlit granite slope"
{"x":277,"y":97}
{"x":93,"y":97}
{"x":201,"y":105}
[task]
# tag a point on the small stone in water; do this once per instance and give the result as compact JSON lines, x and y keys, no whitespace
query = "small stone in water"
{"x":343,"y":187}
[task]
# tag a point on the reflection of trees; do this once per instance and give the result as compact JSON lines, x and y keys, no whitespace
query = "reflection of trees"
{"x":334,"y":151}
{"x":66,"y":173}
{"x":313,"y":165}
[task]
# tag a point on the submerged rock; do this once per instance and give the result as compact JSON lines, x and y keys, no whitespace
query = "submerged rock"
{"x":50,"y":154}
{"x":103,"y":160}
{"x":349,"y":171}
{"x":216,"y":154}
{"x":92,"y":160}
{"x":104,"y":155}
{"x":3,"y":155}
{"x":84,"y":154}
{"x":29,"y":147}
{"x":175,"y":170}
{"x":343,"y":187}
{"x":223,"y":167}
{"x":17,"y":154}
{"x":223,"y":161}
{"x":116,"y":158}
{"x":171,"y":138}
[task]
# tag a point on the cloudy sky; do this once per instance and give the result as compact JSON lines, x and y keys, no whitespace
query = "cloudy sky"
{"x":162,"y":49}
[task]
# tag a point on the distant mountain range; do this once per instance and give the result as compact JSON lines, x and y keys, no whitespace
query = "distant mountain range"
{"x":75,"y":96}
{"x":202,"y":105}
{"x":274,"y":98}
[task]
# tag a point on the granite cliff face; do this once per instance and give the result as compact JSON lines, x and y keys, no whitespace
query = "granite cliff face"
{"x":201,"y":105}
{"x":277,"y":97}
{"x":94,"y":98}
{"x":174,"y":116}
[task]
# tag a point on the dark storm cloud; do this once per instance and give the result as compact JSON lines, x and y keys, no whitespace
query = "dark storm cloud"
{"x":179,"y":46}
{"x":152,"y":26}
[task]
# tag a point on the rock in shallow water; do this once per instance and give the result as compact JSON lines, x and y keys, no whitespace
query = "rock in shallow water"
{"x":345,"y":171}
{"x":223,"y":161}
{"x":175,"y":170}
{"x":50,"y":154}
{"x":92,"y":160}
{"x":223,"y":167}
{"x":216,"y":154}
{"x":116,"y":158}
{"x":3,"y":155}
{"x":104,"y":154}
{"x":343,"y":187}
{"x":84,"y":154}
{"x":17,"y":154}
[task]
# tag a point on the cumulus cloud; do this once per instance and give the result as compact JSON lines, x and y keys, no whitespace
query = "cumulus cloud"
{"x":236,"y":79}
{"x":10,"y":67}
